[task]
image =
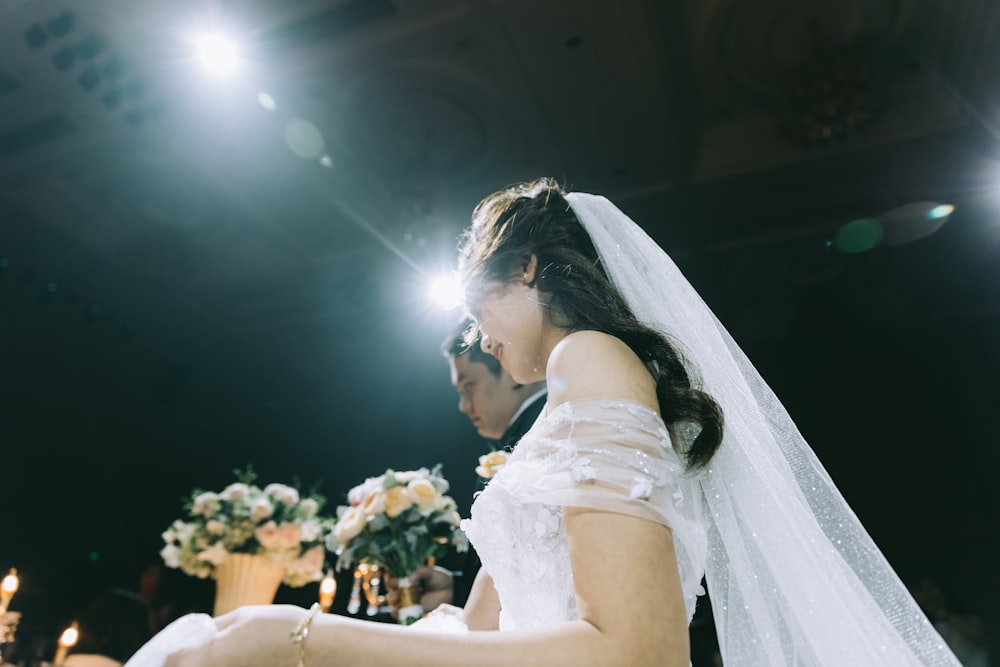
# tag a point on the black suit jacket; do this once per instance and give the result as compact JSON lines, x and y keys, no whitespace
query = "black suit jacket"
{"x":471,"y":564}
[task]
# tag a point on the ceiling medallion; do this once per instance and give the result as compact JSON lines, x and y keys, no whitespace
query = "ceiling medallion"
{"x":834,"y":95}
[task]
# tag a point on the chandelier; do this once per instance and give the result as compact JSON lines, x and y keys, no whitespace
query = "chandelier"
{"x":833,"y":95}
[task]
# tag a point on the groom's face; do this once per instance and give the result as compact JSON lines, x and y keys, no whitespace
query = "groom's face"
{"x":488,"y":400}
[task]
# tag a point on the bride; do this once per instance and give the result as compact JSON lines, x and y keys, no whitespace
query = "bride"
{"x":627,"y":490}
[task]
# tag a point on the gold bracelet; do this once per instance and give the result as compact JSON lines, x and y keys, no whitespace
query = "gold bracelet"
{"x":301,"y":631}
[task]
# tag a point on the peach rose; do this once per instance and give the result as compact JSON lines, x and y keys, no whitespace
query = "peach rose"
{"x":422,"y":492}
{"x":490,"y":464}
{"x":397,"y":501}
{"x":289,"y":535}
{"x":215,"y":527}
{"x":267,"y":535}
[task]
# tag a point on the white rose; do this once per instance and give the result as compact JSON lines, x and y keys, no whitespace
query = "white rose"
{"x":205,"y":503}
{"x":309,"y":507}
{"x":363,"y":491}
{"x":443,"y":503}
{"x":261,"y":509}
{"x":171,"y":555}
{"x":185,"y":531}
{"x":374,"y":504}
{"x":236,"y":492}
{"x":310,"y":531}
{"x":351,"y":523}
{"x":285,"y":494}
{"x":407,"y":476}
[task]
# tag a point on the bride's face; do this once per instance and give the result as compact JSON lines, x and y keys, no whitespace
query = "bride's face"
{"x":511,"y":319}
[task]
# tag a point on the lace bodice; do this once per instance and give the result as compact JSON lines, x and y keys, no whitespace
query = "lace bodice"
{"x":602,"y":455}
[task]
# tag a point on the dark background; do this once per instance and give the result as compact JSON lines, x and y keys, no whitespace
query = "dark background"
{"x":181,"y":294}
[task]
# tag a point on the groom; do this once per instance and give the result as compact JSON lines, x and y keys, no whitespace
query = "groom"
{"x":502,"y":411}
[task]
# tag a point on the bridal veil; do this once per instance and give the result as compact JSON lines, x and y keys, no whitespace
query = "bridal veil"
{"x":793,"y":576}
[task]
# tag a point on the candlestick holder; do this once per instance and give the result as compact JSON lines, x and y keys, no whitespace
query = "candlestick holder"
{"x":8,"y":628}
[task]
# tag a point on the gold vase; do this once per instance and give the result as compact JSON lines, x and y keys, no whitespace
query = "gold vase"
{"x":410,"y":609}
{"x":244,"y":579}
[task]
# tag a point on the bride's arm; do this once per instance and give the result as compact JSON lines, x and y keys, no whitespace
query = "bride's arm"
{"x":482,"y":610}
{"x":628,"y":595}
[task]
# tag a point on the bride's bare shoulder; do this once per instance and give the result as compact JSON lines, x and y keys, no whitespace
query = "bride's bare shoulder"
{"x":591,"y":364}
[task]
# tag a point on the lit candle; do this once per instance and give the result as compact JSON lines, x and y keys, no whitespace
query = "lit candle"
{"x":67,"y":640}
{"x":7,"y":589}
{"x":327,"y":589}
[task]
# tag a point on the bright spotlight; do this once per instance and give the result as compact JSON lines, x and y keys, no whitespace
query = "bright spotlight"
{"x":218,"y":53}
{"x":446,"y":291}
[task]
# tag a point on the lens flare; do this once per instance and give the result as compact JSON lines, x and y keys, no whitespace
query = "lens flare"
{"x":266,"y":101}
{"x":940,"y":211}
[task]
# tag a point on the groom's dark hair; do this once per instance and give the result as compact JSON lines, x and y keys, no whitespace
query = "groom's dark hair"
{"x":457,"y":344}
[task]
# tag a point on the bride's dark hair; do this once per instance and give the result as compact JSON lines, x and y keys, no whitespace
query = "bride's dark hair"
{"x":510,"y":226}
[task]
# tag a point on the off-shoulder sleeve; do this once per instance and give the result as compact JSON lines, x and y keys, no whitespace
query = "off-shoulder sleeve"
{"x":601,"y":455}
{"x":614,"y":457}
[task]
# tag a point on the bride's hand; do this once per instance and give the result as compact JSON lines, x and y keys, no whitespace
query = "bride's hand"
{"x":247,"y":636}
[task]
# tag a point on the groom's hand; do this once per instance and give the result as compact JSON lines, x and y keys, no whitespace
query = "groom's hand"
{"x":437,"y":587}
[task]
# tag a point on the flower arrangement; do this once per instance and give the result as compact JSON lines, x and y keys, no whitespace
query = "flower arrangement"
{"x":398,"y":520}
{"x":274,"y":522}
{"x":490,"y":464}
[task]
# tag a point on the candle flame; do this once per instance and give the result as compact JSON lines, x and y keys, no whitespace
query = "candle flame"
{"x":327,"y":589}
{"x":10,"y":583}
{"x":69,"y":636}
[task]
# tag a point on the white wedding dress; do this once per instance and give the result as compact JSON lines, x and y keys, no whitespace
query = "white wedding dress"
{"x":603,"y":455}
